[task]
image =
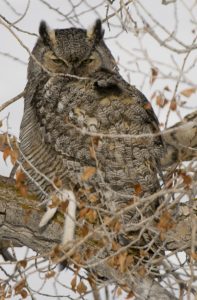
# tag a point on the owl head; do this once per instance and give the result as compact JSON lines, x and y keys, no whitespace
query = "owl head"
{"x":71,"y":51}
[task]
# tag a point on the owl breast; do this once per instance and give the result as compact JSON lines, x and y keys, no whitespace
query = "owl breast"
{"x":74,"y":118}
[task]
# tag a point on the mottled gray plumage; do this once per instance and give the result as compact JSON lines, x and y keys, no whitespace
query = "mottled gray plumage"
{"x":60,"y":110}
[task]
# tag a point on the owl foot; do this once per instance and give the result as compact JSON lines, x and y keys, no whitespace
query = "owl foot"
{"x":70,"y":215}
{"x":48,"y":214}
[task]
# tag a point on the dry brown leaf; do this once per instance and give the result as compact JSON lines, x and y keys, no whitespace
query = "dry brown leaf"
{"x":88,"y":173}
{"x":92,"y":152}
{"x":7,"y":152}
{"x":130,"y":295}
{"x":194,"y":255}
{"x":81,"y":287}
{"x":3,"y":141}
{"x":122,"y":261}
{"x":115,"y":246}
{"x":14,"y":156}
{"x":83,"y":212}
{"x":63,"y":206}
{"x":187,"y":179}
{"x":23,"y":190}
{"x":20,"y":176}
{"x":50,"y":274}
{"x":173,"y":104}
{"x":19,"y":286}
{"x":20,"y":183}
{"x":117,"y":226}
{"x":188,"y":92}
{"x":74,"y":283}
{"x":154,"y":74}
{"x":147,"y":106}
{"x":92,"y":198}
{"x":89,"y":253}
{"x":55,"y":202}
{"x":83,"y":231}
{"x":77,"y":258}
{"x":96,"y":140}
{"x":142,"y":271}
{"x":91,"y":216}
{"x":144,"y":253}
{"x":22,"y":263}
{"x":161,"y":101}
{"x":112,"y":261}
{"x":23,"y":293}
{"x":107,"y":220}
{"x":166,"y":222}
{"x":129,"y":261}
{"x":56,"y":253}
{"x":138,"y":189}
{"x":58,"y":182}
{"x":166,"y":88}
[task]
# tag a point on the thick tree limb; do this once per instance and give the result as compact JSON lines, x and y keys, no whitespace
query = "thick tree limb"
{"x":19,"y":219}
{"x":20,"y":216}
{"x":182,"y":142}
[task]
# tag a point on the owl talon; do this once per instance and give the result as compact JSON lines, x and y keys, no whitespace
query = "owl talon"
{"x":47,"y":216}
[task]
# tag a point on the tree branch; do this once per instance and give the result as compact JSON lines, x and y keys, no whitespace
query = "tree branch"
{"x":19,"y":219}
{"x":182,"y":142}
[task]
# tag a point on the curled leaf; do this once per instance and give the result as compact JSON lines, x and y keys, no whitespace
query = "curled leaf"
{"x":188,"y":92}
{"x":88,"y":173}
{"x":154,"y":74}
{"x":81,"y":288}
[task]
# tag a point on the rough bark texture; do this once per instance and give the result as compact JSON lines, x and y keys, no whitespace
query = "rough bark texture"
{"x":19,"y":219}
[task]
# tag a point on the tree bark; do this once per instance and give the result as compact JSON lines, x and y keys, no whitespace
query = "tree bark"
{"x":19,"y":219}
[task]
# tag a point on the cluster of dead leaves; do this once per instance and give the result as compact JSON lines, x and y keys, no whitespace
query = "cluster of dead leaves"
{"x":20,"y":182}
{"x":9,"y":147}
{"x":165,"y":223}
{"x":88,"y":173}
{"x":89,"y":214}
{"x":113,"y":223}
{"x":160,"y":97}
{"x":187,"y":179}
{"x":121,"y":261}
{"x":79,"y":287}
{"x":20,"y":288}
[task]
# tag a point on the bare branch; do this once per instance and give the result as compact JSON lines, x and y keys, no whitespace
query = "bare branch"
{"x":9,"y":102}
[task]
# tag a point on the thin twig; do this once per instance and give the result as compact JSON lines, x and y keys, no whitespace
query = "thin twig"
{"x":9,"y":102}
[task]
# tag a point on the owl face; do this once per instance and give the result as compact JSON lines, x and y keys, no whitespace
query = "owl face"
{"x":75,"y":51}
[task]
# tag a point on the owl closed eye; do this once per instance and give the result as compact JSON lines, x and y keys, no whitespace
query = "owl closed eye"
{"x":71,"y":51}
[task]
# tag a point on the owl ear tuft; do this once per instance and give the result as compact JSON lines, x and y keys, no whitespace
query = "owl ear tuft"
{"x":96,"y":33}
{"x":47,"y":35}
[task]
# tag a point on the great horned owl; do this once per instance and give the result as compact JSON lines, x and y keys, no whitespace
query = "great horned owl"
{"x":79,"y":128}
